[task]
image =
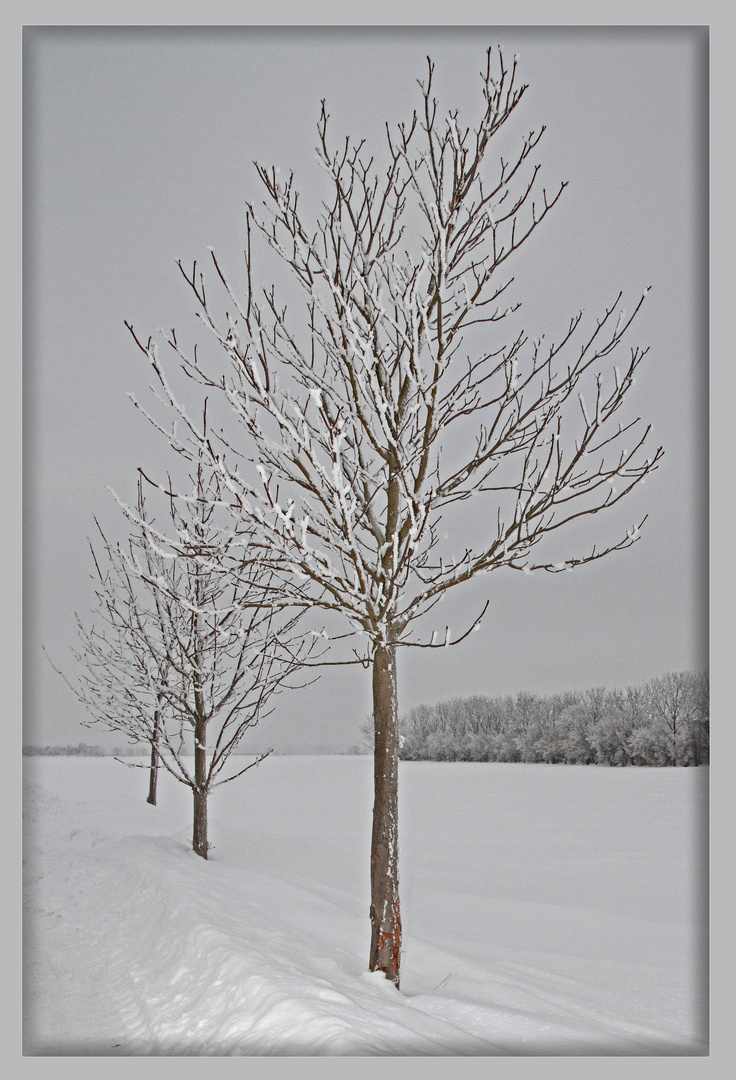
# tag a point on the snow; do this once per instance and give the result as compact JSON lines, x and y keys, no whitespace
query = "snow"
{"x":547,"y":910}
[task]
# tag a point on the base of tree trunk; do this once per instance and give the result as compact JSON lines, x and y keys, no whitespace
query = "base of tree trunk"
{"x":200,"y":843}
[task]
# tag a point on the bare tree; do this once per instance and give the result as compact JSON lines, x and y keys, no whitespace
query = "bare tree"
{"x":615,"y":724}
{"x":180,"y":654}
{"x":700,"y":719}
{"x":122,"y":661}
{"x":678,"y":706}
{"x":394,"y":397}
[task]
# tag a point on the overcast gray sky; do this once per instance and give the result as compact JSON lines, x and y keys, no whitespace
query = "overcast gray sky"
{"x":138,"y":151}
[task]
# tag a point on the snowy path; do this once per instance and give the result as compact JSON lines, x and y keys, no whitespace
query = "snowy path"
{"x":547,"y":910}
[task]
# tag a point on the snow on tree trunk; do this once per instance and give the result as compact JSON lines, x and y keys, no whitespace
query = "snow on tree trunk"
{"x":199,"y":838}
{"x":385,"y":913}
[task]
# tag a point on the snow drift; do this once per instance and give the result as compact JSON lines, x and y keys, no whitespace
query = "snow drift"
{"x":548,"y":910}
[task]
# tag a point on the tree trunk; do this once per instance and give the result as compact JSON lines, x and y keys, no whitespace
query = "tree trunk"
{"x":674,"y":741}
{"x":199,"y":839}
{"x":385,"y":914}
{"x":153,"y":777}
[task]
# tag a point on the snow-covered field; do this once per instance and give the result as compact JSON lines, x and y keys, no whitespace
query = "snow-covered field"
{"x":548,"y":910}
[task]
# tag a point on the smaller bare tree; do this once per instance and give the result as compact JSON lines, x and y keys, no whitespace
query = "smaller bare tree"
{"x":179,"y":652}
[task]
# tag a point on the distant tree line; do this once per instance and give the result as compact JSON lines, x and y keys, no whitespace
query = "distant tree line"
{"x":665,"y":722}
{"x":83,"y":750}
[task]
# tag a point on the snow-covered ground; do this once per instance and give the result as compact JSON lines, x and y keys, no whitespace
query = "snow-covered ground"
{"x":548,"y":910}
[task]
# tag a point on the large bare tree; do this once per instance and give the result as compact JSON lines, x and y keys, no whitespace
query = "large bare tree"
{"x":178,"y":652}
{"x":394,"y":395}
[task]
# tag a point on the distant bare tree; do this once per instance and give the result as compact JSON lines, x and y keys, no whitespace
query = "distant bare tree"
{"x":614,"y":725}
{"x":180,"y":654}
{"x":678,"y":705}
{"x":396,"y":398}
{"x":700,"y":723}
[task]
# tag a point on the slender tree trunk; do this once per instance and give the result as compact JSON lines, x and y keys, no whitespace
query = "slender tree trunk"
{"x":674,"y":741}
{"x":199,"y":839}
{"x":153,"y":776}
{"x":385,"y":913}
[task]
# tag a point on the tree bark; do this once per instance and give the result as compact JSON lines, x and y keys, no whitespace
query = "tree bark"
{"x":153,"y":777}
{"x":199,"y":838}
{"x":385,"y":914}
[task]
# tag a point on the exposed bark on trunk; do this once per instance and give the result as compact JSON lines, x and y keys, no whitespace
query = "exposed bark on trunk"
{"x":200,"y":842}
{"x":385,"y":914}
{"x":199,"y":839}
{"x":153,"y":777}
